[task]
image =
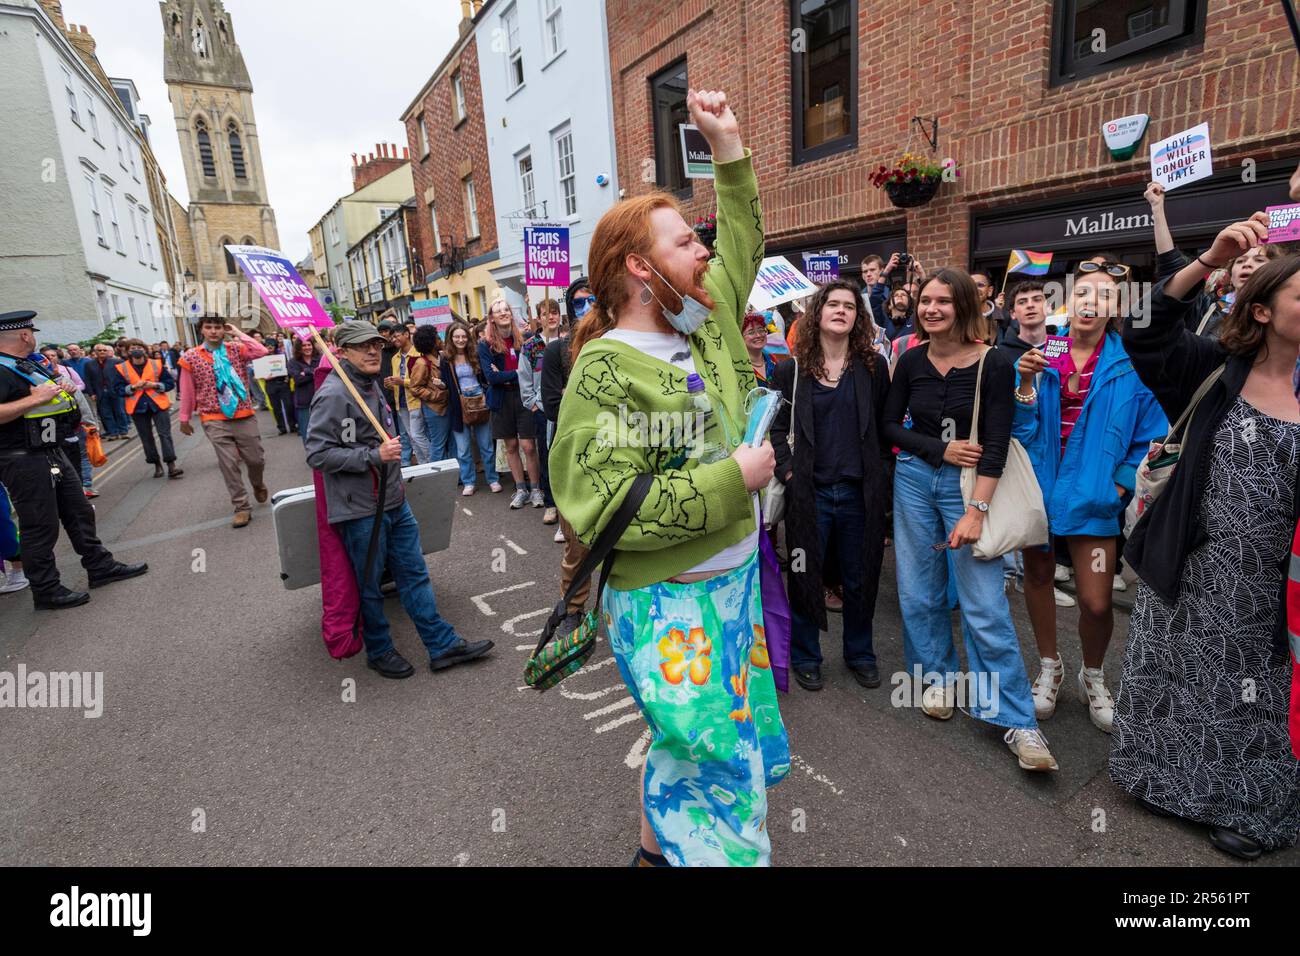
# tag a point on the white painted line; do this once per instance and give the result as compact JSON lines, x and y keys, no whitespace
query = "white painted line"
{"x":512,"y":546}
{"x":594,"y":695}
{"x":619,"y":722}
{"x":797,"y":761}
{"x":596,"y":666}
{"x":636,"y":756}
{"x":509,"y":626}
{"x":467,"y":511}
{"x":617,"y":705}
{"x":481,"y":599}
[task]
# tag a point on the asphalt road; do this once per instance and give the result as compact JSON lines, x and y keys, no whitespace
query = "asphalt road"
{"x":222,"y":708}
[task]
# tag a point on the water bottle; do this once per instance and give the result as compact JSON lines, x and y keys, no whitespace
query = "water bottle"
{"x":710,"y":451}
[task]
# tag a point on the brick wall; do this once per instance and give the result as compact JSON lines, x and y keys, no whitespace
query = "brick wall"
{"x":984,"y":71}
{"x":454,"y":149}
{"x":377,"y":165}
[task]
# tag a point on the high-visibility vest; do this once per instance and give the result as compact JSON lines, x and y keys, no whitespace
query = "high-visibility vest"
{"x":62,"y":404}
{"x":154,"y":368}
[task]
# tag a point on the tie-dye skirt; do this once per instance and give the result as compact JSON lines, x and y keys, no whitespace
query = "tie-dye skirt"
{"x":695,"y":660}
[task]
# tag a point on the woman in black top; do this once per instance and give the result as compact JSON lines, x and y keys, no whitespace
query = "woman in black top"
{"x":935,"y":382}
{"x":302,"y":370}
{"x":835,"y":476}
{"x":1200,"y":728}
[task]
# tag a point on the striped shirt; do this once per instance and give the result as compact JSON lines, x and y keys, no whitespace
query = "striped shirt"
{"x":1071,"y":401}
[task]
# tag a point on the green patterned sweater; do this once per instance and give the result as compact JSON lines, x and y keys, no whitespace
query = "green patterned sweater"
{"x":693,"y":510}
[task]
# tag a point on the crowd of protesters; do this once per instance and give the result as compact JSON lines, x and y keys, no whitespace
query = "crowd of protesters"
{"x":907,"y":397}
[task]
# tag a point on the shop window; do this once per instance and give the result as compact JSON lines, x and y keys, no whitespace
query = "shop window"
{"x":824,"y":74}
{"x":1091,"y":38}
{"x":668,"y":98}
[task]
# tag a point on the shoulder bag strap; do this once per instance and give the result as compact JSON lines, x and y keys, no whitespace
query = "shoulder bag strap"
{"x":1200,"y":329}
{"x":602,"y":553}
{"x":794,"y":397}
{"x":1190,"y":410}
{"x":975,"y":413}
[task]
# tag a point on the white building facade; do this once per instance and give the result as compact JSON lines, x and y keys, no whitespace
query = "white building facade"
{"x":78,"y":241}
{"x":544,"y":72}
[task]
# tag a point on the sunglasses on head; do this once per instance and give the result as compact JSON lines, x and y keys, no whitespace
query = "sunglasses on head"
{"x":1115,"y":269}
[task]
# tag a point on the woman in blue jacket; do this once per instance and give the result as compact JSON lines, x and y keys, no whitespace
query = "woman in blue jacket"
{"x":1086,"y":423}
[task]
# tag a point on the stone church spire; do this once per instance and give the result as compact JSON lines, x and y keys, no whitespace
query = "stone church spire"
{"x":199,"y":45}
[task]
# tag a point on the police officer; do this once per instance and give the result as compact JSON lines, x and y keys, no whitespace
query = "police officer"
{"x":36,"y":417}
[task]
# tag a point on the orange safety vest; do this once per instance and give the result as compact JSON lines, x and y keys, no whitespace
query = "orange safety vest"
{"x":154,"y":368}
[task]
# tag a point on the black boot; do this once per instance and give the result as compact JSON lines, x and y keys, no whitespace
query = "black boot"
{"x":59,"y":599}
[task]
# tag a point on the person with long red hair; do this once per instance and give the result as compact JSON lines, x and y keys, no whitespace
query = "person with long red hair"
{"x":658,"y":386}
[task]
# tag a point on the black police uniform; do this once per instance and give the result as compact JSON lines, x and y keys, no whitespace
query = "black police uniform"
{"x":42,"y":483}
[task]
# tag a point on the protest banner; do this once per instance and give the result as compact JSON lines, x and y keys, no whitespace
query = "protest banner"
{"x":778,"y":282}
{"x":697,"y":154}
{"x":546,"y":255}
{"x":435,"y":312}
{"x":1283,"y":223}
{"x":293,"y":306}
{"x":271,"y":366}
{"x":822,"y":267}
{"x":1183,"y":158}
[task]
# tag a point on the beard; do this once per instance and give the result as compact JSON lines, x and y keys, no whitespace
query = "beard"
{"x":691,"y":284}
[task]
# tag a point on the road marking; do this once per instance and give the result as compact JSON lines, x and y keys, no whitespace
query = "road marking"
{"x":481,"y":602}
{"x":617,"y":705}
{"x":467,"y":511}
{"x":625,"y":719}
{"x":636,"y":756}
{"x":117,"y":464}
{"x":167,"y":535}
{"x":797,"y":761}
{"x":512,"y":546}
{"x":509,"y":626}
{"x":594,"y":695}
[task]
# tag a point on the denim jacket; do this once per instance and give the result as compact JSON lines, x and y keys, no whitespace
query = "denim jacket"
{"x":1119,"y":420}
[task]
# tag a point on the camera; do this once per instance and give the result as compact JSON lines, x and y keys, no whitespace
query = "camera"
{"x":905,"y":262}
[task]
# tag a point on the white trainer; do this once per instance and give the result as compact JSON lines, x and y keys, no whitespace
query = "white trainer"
{"x":1101,"y":706}
{"x":559,"y":535}
{"x":1119,"y":584}
{"x":1051,"y":675}
{"x":537,"y":498}
{"x":1030,"y":747}
{"x":467,"y":491}
{"x":13,"y":581}
{"x":1062,"y":599}
{"x":1062,"y":573}
{"x":520,"y":499}
{"x":938,"y":702}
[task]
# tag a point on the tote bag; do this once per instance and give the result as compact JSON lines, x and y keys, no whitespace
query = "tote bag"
{"x":1016,"y":518}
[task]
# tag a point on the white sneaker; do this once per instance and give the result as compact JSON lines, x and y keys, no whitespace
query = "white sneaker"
{"x":520,"y":499}
{"x":538,"y":498}
{"x":495,"y":487}
{"x":14,"y":581}
{"x":1119,"y":584}
{"x":467,"y":491}
{"x":1062,"y":573}
{"x":1101,"y":706}
{"x":1047,"y":686}
{"x":1030,"y":746}
{"x":559,"y":535}
{"x":938,"y":702}
{"x":1063,"y":599}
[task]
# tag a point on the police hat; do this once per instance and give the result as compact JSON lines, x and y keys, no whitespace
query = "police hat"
{"x":17,"y":321}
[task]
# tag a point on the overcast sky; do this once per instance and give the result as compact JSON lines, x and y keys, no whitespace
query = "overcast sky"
{"x":330,"y":78}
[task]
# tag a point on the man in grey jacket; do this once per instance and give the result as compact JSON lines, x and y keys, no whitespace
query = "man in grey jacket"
{"x":356,"y":463}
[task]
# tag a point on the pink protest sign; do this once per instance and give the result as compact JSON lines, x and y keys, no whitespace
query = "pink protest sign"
{"x":292,"y":303}
{"x":1057,"y":351}
{"x":1283,"y":223}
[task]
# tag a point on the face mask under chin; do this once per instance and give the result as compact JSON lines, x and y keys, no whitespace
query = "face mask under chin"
{"x":693,"y":314}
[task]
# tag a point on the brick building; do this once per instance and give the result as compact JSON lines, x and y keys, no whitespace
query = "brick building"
{"x":455,"y":218}
{"x":826,"y":91}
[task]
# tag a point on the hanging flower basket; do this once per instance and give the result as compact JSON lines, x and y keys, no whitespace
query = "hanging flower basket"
{"x":912,"y":192}
{"x":913,"y":180}
{"x":706,"y":227}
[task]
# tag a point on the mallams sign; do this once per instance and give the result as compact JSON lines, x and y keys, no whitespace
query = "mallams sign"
{"x":1106,"y":222}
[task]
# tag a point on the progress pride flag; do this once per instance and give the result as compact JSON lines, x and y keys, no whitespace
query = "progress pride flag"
{"x":292,"y":303}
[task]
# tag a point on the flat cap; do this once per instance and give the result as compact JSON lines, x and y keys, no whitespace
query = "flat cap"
{"x":355,"y":333}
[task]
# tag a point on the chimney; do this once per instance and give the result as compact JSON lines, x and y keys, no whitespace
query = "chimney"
{"x":464,"y":10}
{"x":354,"y":160}
{"x":406,"y":152}
{"x":54,"y":10}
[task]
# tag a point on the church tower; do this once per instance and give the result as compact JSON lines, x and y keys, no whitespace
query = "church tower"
{"x":212,"y":100}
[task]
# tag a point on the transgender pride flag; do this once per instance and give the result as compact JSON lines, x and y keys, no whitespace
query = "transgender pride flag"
{"x":1029,"y":263}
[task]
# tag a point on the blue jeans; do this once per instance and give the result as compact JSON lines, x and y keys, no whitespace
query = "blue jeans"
{"x":403,"y":420}
{"x":112,"y":414}
{"x":304,"y":422}
{"x":399,"y":550}
{"x":87,"y":473}
{"x":927,"y":506}
{"x":487,"y":450}
{"x":839,"y":509}
{"x":438,"y":428}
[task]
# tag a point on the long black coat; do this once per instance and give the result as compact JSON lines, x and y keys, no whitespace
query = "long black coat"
{"x":805,"y":588}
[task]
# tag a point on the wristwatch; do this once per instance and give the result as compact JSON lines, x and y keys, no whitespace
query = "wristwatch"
{"x":981,"y":506}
